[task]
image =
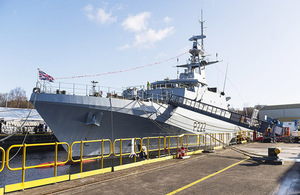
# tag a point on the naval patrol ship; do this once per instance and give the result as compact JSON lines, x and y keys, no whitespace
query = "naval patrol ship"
{"x":166,"y":107}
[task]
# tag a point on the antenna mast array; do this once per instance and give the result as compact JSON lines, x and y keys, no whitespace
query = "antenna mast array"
{"x":202,"y":29}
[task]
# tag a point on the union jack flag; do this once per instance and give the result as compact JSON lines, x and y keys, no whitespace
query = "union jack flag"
{"x":46,"y":77}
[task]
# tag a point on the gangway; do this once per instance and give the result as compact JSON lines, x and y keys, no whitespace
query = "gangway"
{"x":219,"y":113}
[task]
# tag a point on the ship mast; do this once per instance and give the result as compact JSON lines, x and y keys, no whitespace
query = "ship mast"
{"x":197,"y":52}
{"x":202,"y":36}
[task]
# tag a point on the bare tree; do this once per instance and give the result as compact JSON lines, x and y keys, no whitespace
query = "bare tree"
{"x":3,"y":99}
{"x":16,"y":98}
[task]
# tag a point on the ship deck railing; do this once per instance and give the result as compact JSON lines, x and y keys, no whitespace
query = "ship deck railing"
{"x":76,"y":89}
{"x":219,"y":113}
{"x":99,"y":91}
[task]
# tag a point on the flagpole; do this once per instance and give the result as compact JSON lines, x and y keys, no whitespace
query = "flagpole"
{"x":37,"y":79}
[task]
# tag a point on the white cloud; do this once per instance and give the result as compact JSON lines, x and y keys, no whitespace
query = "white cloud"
{"x":148,"y":38}
{"x":168,"y":20}
{"x":99,"y":15}
{"x":145,"y":37}
{"x":88,"y":11}
{"x":123,"y":47}
{"x":119,"y":7}
{"x":137,"y":23}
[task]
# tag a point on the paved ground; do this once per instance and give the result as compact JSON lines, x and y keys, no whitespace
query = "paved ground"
{"x":223,"y":172}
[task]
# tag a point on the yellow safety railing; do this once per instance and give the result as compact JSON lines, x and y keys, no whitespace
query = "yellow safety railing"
{"x":121,"y":154}
{"x":211,"y":140}
{"x":24,"y":167}
{"x":215,"y":136}
{"x":102,"y":156}
{"x":152,"y":144}
{"x":3,"y":159}
{"x":197,"y":143}
{"x":199,"y":140}
{"x":222,"y":138}
{"x":243,"y":136}
{"x":168,"y":140}
{"x":159,"y":144}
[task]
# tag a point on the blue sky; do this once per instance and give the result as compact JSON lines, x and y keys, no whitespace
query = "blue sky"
{"x":259,"y":40}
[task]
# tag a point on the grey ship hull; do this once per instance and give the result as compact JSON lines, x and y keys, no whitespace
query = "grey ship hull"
{"x":67,"y":116}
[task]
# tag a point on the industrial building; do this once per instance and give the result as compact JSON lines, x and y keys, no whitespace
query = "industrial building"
{"x":289,"y":114}
{"x":284,"y":113}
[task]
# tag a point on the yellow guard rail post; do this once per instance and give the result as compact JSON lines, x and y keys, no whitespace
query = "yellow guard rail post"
{"x":199,"y":140}
{"x":3,"y":158}
{"x":121,"y":150}
{"x":23,"y":168}
{"x":2,"y":167}
{"x":222,"y":139}
{"x":187,"y":142}
{"x":91,"y":158}
{"x":210,"y":141}
{"x":169,"y":145}
{"x":192,"y":144}
{"x":156,"y":149}
{"x":215,"y":140}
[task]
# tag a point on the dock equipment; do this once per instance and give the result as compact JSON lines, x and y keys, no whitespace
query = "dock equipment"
{"x":272,"y":157}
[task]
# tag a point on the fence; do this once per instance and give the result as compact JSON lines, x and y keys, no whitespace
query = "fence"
{"x":133,"y":152}
{"x":22,"y":185}
{"x":3,"y":159}
{"x":81,"y":160}
{"x":138,"y":145}
{"x":156,"y":146}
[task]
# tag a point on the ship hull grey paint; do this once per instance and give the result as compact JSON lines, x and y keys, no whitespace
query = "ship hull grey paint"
{"x":67,"y":116}
{"x":68,"y":121}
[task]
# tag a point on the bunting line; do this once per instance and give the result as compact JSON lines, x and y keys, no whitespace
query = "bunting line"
{"x":119,"y":71}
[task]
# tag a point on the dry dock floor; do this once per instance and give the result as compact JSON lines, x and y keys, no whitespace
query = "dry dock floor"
{"x":223,"y":172}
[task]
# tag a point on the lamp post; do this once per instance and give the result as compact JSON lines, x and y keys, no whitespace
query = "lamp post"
{"x":6,"y":99}
{"x":112,"y":132}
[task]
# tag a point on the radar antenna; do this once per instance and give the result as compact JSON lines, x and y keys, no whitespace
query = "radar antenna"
{"x":202,"y":36}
